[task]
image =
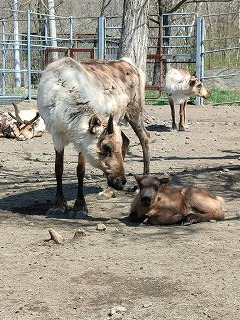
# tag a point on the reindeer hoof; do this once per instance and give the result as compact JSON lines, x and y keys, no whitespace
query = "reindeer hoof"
{"x":181,"y":129}
{"x":186,"y":223}
{"x":108,"y":193}
{"x":77,"y":215}
{"x":79,"y":210}
{"x":57,"y":213}
{"x":189,"y":219}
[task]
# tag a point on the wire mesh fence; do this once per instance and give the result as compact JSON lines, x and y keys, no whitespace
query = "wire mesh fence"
{"x":27,"y":46}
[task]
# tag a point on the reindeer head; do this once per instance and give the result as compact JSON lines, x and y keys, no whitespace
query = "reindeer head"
{"x":149,"y":189}
{"x":149,"y":186}
{"x":198,"y":89}
{"x":105,"y":147}
{"x":23,"y":129}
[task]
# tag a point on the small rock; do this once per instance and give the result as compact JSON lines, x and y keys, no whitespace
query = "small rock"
{"x":80,"y":233}
{"x":147,"y":304}
{"x":117,"y":310}
{"x":16,"y":186}
{"x":101,"y":227}
{"x":116,"y":316}
{"x":212,"y":220}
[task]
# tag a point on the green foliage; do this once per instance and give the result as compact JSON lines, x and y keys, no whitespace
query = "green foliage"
{"x":219,"y":96}
{"x":156,"y":98}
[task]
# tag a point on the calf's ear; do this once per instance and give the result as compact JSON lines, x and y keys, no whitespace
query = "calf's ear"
{"x":165,"y":181}
{"x":94,"y":122}
{"x":138,"y":178}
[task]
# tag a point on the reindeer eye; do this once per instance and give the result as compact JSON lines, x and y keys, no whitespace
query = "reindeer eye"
{"x":107,"y":149}
{"x":156,"y":187}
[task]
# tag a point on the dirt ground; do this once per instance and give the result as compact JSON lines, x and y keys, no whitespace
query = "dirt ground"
{"x":126,"y":271}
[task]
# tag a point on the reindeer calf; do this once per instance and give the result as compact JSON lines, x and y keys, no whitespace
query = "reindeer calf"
{"x":162,"y":204}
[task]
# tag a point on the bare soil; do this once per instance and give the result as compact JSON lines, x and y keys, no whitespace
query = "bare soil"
{"x":164,"y":272}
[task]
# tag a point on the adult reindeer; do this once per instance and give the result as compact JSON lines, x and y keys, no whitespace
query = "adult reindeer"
{"x":24,"y":125}
{"x":180,"y":85}
{"x":83,"y":103}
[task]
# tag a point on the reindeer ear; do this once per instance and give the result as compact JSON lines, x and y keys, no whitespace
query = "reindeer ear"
{"x":125,"y":144}
{"x":110,"y":124}
{"x":165,"y":181}
{"x":192,"y":81}
{"x":138,"y":178}
{"x":94,"y":122}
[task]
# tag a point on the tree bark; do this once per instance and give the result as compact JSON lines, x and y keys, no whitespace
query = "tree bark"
{"x":52,"y":27}
{"x":134,"y":36}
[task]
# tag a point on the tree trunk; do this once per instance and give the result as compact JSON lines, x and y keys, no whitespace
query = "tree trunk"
{"x":52,"y":27}
{"x":134,"y":37}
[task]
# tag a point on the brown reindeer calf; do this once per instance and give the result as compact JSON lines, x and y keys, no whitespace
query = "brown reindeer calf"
{"x":160,"y":203}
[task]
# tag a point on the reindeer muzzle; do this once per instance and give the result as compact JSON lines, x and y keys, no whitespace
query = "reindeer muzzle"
{"x":146,"y":201}
{"x":116,"y":183}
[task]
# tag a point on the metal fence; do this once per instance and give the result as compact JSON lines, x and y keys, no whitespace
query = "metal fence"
{"x":221,"y":57}
{"x":26,"y":46}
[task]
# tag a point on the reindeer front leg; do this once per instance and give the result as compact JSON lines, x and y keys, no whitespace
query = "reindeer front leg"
{"x":60,"y":204}
{"x":80,"y":205}
{"x":171,"y":103}
{"x":183,"y":120}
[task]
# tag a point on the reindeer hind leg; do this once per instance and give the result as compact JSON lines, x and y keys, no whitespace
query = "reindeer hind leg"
{"x":144,"y":138}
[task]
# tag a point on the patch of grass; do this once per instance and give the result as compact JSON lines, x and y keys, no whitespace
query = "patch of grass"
{"x":156,"y":98}
{"x":219,"y":96}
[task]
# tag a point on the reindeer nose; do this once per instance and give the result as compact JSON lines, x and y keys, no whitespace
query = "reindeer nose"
{"x":146,"y":201}
{"x":116,"y":183}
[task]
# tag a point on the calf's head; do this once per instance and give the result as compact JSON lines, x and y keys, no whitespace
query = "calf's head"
{"x":149,"y":186}
{"x":197,"y":88}
{"x":111,"y":146}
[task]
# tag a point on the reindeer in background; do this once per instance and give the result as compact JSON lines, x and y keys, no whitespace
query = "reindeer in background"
{"x":24,"y":125}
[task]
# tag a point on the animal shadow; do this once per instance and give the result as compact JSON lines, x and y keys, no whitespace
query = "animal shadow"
{"x":158,"y":128}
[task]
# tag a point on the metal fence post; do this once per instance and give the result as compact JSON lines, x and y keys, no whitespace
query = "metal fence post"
{"x":199,"y":53}
{"x":71,"y":31}
{"x":101,"y":37}
{"x":29,"y":55}
{"x":3,"y":59}
{"x":16,"y":47}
